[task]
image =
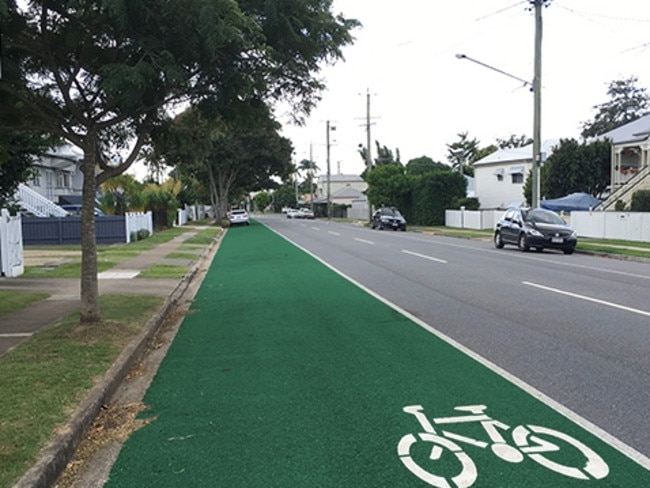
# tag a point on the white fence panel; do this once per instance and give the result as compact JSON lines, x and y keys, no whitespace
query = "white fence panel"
{"x":358,"y":210}
{"x":631,"y":226}
{"x":589,"y":224}
{"x":11,"y":245}
{"x":136,"y":221}
{"x":472,"y":219}
{"x":182,"y":218}
{"x":621,"y":224}
{"x":453,"y":218}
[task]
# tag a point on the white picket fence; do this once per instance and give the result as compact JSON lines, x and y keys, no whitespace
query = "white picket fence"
{"x":193,"y":212}
{"x":11,"y":245}
{"x":629,"y":226}
{"x":137,"y":221}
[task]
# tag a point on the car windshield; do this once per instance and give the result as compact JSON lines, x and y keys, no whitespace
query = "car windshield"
{"x":538,"y":216}
{"x":390,"y":212}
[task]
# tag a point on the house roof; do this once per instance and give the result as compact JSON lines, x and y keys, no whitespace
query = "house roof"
{"x":517,"y":154}
{"x":63,"y":157}
{"x":66,"y":151}
{"x":342,"y":178}
{"x":347,"y":192}
{"x":636,"y":131}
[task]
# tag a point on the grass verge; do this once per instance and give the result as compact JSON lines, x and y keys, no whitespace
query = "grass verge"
{"x":107,"y":256}
{"x":634,"y":250}
{"x":43,"y":380}
{"x":204,"y":237}
{"x":161,"y":271}
{"x":11,"y":301}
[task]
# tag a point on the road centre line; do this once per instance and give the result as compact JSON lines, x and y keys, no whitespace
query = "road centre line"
{"x":589,"y":299}
{"x":364,"y":241}
{"x":17,"y":334}
{"x":424,"y":256}
{"x":605,"y":436}
{"x":315,"y":228}
{"x":333,"y":233}
{"x":528,"y":257}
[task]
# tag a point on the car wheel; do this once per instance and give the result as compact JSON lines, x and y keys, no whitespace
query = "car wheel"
{"x":521,"y":243}
{"x":539,"y":249}
{"x":568,"y":250}
{"x":403,"y":229}
{"x":498,"y":241}
{"x":380,"y":226}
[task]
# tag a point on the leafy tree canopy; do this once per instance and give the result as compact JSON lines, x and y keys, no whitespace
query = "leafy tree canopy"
{"x":514,"y":141}
{"x":384,"y":156}
{"x":460,"y":154}
{"x":103,"y":74}
{"x":576,"y":167}
{"x":17,"y":150}
{"x":627,"y":103}
{"x":232,"y":157}
{"x":425,"y":164}
{"x":387,"y":185}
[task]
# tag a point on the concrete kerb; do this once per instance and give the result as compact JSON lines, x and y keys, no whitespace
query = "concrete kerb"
{"x":55,"y":457}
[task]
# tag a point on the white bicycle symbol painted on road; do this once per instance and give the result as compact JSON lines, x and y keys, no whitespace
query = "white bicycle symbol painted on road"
{"x":525,"y":437}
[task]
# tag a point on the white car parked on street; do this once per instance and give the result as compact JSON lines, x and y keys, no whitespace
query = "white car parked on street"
{"x":238,"y":216}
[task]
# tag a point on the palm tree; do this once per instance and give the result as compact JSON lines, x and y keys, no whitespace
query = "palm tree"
{"x":309,"y":167}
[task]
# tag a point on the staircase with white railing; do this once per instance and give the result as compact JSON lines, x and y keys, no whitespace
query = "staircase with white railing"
{"x":36,"y":204}
{"x":641,"y":181}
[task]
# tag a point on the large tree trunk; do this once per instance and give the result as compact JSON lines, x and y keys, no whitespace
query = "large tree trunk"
{"x":89,"y":285}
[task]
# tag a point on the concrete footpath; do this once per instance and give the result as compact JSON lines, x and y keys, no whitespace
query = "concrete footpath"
{"x":65,"y":293}
{"x":64,"y":299}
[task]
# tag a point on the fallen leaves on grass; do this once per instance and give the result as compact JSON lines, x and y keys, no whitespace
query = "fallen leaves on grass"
{"x":114,"y":423}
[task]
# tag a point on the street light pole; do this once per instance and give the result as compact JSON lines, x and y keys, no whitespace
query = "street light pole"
{"x":536,"y":88}
{"x":368,"y":155}
{"x":329,"y":173}
{"x":537,"y":105}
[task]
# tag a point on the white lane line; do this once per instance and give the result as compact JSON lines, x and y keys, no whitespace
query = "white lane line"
{"x":424,"y":256}
{"x":333,"y":233}
{"x":315,"y":228}
{"x":364,"y":241}
{"x":17,"y":334}
{"x":546,"y":262}
{"x":589,"y":299}
{"x":605,"y":436}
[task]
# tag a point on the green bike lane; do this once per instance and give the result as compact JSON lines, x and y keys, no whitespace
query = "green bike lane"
{"x":285,"y":374}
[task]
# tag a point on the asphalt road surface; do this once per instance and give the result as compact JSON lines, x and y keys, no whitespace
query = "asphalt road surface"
{"x":575,"y":328}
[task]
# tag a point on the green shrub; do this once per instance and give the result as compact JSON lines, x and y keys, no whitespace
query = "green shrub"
{"x":641,"y":201}
{"x":139,"y":235}
{"x":619,"y":206}
{"x":470,"y":203}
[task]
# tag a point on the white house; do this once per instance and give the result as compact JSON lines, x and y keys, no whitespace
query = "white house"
{"x":57,"y":173}
{"x":499,"y":178}
{"x":630,"y":163}
{"x":57,"y":179}
{"x":340,"y":182}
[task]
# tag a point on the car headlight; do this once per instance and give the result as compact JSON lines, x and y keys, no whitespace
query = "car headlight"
{"x":535,"y":232}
